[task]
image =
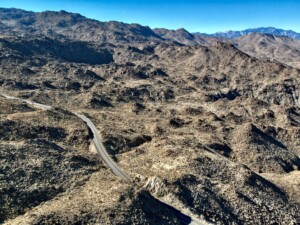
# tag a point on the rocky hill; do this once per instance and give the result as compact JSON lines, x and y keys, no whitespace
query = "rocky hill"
{"x":280,"y":48}
{"x":260,"y":45}
{"x":180,"y":35}
{"x":209,"y":130}
{"x":184,"y":37}
{"x":72,"y":26}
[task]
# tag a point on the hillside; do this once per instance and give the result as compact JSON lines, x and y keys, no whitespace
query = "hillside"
{"x":201,"y":127}
{"x":182,"y":36}
{"x":72,"y":26}
{"x":280,"y":48}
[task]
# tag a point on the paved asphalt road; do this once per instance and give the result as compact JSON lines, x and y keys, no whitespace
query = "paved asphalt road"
{"x":38,"y":105}
{"x":102,"y":151}
{"x":114,"y":167}
{"x":118,"y":171}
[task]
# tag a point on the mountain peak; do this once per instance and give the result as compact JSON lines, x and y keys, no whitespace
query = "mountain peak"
{"x":73,"y":26}
{"x":182,"y":30}
{"x":264,"y":30}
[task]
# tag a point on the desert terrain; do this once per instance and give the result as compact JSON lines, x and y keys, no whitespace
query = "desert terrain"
{"x":204,"y":125}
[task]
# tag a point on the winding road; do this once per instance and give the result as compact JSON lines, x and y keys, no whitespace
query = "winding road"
{"x":185,"y":219}
{"x":102,"y":151}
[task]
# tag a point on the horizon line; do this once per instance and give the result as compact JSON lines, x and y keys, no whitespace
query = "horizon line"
{"x":152,"y":27}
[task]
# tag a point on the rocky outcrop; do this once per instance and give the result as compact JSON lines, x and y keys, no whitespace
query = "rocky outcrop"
{"x":210,"y":129}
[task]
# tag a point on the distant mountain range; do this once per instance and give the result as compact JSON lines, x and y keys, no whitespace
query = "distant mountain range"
{"x":266,"y":30}
{"x":77,"y":27}
{"x":265,"y":42}
{"x":278,"y":48}
{"x":210,"y":125}
{"x":268,"y":43}
{"x":184,"y":37}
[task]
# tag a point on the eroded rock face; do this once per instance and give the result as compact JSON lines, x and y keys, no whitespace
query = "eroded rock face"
{"x":211,"y":130}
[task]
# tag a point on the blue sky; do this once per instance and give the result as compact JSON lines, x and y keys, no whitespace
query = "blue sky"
{"x":203,"y":15}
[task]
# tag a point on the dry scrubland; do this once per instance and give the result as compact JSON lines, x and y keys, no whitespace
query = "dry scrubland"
{"x":203,"y":126}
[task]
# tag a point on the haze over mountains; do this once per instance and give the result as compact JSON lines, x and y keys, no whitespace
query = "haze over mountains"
{"x":266,"y":30}
{"x":268,"y":43}
{"x":205,"y":125}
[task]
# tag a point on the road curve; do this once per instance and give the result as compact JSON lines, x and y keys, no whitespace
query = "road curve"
{"x":108,"y":160}
{"x":97,"y":140}
{"x":102,"y":151}
{"x":118,"y":171}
